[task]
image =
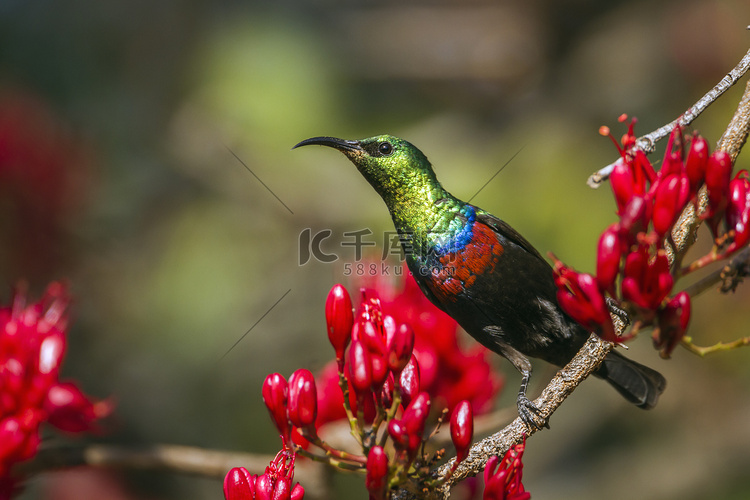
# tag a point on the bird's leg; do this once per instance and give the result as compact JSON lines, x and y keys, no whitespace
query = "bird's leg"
{"x":528,"y":411}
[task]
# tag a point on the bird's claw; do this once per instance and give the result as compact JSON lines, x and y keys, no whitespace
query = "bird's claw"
{"x":618,"y":311}
{"x":531,"y":415}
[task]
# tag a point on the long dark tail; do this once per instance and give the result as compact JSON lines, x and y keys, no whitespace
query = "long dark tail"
{"x":637,"y":383}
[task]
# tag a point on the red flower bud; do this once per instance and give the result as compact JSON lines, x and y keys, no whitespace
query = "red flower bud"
{"x":239,"y":484}
{"x":670,"y":199}
{"x":695,"y":165}
{"x":339,"y":318}
{"x":409,"y":381}
{"x":462,"y":429}
{"x":264,"y":487}
{"x":581,"y":298}
{"x":608,"y":256}
{"x":635,"y":217}
{"x":718,"y":173}
{"x":673,"y":322}
{"x":360,"y":370}
{"x":369,"y":333}
{"x":400,"y":346}
{"x":51,"y":353}
{"x":377,"y":473}
{"x":389,"y":328}
{"x":399,"y":434}
{"x":621,"y":180}
{"x":275,"y":393}
{"x":415,"y":417}
{"x":303,"y":399}
{"x":70,"y":410}
{"x":629,"y":178}
{"x":407,"y":432}
{"x":737,"y":215}
{"x":282,"y":490}
{"x":298,"y":492}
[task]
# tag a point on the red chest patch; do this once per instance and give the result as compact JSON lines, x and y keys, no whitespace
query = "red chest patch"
{"x":459,"y":270}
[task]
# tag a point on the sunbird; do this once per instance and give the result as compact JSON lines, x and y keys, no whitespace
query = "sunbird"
{"x":482,"y":272}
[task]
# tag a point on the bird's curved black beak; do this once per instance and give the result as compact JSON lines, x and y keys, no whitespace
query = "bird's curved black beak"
{"x":332,"y":142}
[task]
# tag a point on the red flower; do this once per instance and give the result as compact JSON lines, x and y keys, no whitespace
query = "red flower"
{"x":410,"y":380}
{"x":635,"y":218}
{"x":70,"y":410}
{"x":609,"y":255}
{"x":400,"y":346}
{"x":359,"y":369}
{"x":275,"y":483}
{"x":377,"y":473}
{"x":32,"y":347}
{"x":718,"y":174}
{"x":581,"y":297}
{"x":239,"y":484}
{"x":372,"y":337}
{"x":462,"y":430}
{"x":275,"y":394}
{"x":339,"y":318}
{"x":407,"y":432}
{"x":695,"y":165}
{"x":672,"y":194}
{"x":502,"y":478}
{"x":303,"y":400}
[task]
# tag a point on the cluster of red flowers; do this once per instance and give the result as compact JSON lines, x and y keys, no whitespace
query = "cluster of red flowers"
{"x":379,"y":378}
{"x":448,"y":372}
{"x":32,"y":347}
{"x":632,"y":251}
{"x":377,"y":383}
{"x":275,"y":483}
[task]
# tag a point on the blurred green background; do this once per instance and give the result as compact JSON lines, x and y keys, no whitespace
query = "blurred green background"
{"x":173,"y":249}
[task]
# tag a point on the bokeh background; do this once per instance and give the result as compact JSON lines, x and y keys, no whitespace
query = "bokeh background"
{"x":130,"y":113}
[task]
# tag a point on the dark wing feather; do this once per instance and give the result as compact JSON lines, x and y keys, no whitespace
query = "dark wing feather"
{"x":508,"y":232}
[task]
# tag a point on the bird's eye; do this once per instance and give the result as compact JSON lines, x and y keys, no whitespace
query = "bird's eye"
{"x":385,"y":148}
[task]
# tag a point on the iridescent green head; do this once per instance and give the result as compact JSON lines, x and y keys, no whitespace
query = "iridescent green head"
{"x":397,"y":170}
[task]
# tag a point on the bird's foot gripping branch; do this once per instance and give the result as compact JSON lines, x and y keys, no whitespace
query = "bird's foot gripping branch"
{"x":638,"y":261}
{"x":378,"y":385}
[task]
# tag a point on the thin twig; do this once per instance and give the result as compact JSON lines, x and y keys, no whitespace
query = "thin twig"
{"x":687,"y":343}
{"x":647,"y":143}
{"x":728,"y":275}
